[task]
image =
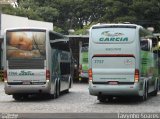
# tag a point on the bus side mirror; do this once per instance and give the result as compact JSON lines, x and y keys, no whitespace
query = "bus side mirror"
{"x":145,"y":45}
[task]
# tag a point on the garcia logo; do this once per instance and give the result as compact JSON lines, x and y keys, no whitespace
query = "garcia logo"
{"x":22,"y":73}
{"x":111,"y":36}
{"x":26,"y":73}
{"x":113,"y":39}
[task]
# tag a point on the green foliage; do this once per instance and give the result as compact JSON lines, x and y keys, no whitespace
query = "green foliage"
{"x":47,"y":13}
{"x":79,"y":14}
{"x":84,"y":30}
{"x":58,"y":29}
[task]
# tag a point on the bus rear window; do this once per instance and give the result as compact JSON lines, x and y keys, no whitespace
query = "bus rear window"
{"x":113,"y":35}
{"x":22,"y":44}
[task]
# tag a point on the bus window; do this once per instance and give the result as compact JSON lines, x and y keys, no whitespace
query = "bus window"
{"x":145,"y":45}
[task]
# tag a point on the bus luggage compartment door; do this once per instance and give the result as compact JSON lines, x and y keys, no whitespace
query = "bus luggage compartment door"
{"x":113,"y":69}
{"x":26,"y":76}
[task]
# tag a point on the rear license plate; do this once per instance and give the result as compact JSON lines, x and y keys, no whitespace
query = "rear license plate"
{"x":26,"y":83}
{"x":113,"y":83}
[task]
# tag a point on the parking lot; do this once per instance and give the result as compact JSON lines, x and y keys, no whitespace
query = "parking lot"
{"x":77,"y":100}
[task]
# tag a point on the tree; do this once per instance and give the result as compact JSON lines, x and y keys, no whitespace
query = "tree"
{"x":147,"y":13}
{"x":75,"y":14}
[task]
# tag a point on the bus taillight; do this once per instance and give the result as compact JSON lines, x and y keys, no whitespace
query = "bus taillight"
{"x":136,"y":75}
{"x":47,"y":75}
{"x":90,"y":74}
{"x":5,"y":75}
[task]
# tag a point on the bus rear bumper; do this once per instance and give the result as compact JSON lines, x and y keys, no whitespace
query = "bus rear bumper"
{"x":26,"y":89}
{"x":115,"y":90}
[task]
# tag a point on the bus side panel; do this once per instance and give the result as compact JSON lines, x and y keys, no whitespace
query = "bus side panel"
{"x":55,"y":71}
{"x":149,"y":68}
{"x":65,"y":63}
{"x":60,"y":68}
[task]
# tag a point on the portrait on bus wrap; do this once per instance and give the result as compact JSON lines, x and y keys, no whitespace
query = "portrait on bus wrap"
{"x":25,"y":44}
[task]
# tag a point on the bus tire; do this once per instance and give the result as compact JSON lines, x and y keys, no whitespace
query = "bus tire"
{"x":70,"y":83}
{"x":17,"y":97}
{"x":52,"y":96}
{"x":57,"y":89}
{"x":101,"y":99}
{"x":110,"y":99}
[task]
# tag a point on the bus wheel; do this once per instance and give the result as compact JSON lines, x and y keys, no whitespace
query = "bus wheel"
{"x":57,"y":89}
{"x":110,"y":99}
{"x":70,"y":83}
{"x":101,"y":98}
{"x":154,"y":93}
{"x":25,"y":96}
{"x":51,"y":96}
{"x":17,"y":97}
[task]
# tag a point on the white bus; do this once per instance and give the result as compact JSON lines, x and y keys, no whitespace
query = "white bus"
{"x":36,"y":61}
{"x":122,"y":61}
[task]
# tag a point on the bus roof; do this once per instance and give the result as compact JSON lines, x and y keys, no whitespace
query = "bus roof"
{"x":115,"y":25}
{"x":25,"y":28}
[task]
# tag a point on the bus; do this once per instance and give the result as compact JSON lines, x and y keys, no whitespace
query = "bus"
{"x":83,"y":62}
{"x":122,"y":62}
{"x":36,"y":61}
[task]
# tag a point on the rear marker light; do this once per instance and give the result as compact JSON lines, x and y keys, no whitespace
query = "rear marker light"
{"x":90,"y":74}
{"x":47,"y":75}
{"x":136,"y":76}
